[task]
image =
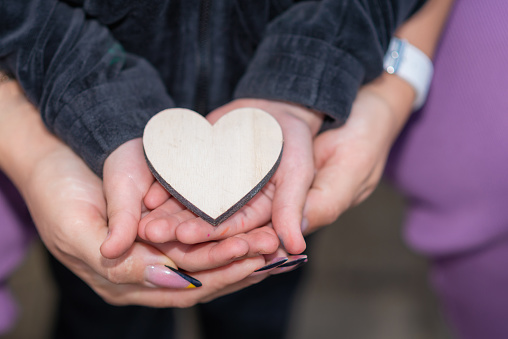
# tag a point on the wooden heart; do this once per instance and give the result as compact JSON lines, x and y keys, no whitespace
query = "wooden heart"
{"x":213,"y":170}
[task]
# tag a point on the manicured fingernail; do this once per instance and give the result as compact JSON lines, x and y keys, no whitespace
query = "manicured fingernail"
{"x":291,"y":265}
{"x":167,"y":276}
{"x":276,"y":262}
{"x":295,"y":260}
{"x":305,"y":224}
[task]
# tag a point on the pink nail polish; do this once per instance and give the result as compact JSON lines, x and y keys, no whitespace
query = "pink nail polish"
{"x":166,"y":276}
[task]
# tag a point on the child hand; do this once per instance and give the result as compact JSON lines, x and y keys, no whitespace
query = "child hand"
{"x":282,"y":199}
{"x":127,"y":179}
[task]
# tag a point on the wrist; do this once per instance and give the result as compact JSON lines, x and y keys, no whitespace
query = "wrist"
{"x":396,"y":95}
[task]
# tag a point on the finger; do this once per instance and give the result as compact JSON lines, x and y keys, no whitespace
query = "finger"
{"x":126,"y":181}
{"x":124,"y":213}
{"x":141,"y":265}
{"x":254,"y":214}
{"x":294,"y":262}
{"x":293,"y":180}
{"x":156,"y":196}
{"x":205,"y":256}
{"x":134,"y":266}
{"x":330,"y":195}
{"x":343,"y":179}
{"x":159,"y":225}
{"x":237,"y":276}
{"x":261,"y":240}
{"x":215,"y":283}
{"x":220,"y":253}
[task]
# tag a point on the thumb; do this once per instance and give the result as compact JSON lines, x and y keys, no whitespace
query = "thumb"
{"x":126,"y":181}
{"x":124,"y":213}
{"x":145,"y":265}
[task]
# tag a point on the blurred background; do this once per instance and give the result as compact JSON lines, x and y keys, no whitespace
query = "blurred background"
{"x":362,"y":282}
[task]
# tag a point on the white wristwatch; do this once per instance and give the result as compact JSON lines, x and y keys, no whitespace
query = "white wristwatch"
{"x":412,"y":65}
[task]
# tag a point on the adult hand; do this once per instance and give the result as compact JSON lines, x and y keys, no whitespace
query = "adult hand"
{"x":67,"y":203}
{"x":350,"y":160}
{"x":281,"y":200}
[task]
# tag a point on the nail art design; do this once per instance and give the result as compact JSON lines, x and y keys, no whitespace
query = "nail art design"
{"x":193,"y":282}
{"x":276,"y":262}
{"x":167,"y":276}
{"x":295,"y":260}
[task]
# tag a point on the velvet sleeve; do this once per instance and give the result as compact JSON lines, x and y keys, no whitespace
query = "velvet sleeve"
{"x":91,"y":93}
{"x":318,"y":53}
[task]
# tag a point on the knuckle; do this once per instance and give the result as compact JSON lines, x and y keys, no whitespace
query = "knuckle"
{"x":115,"y":274}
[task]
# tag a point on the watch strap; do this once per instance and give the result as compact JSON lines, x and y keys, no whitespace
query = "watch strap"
{"x":412,"y":65}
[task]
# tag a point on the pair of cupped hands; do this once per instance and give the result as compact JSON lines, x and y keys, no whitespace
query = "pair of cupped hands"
{"x":122,"y":235}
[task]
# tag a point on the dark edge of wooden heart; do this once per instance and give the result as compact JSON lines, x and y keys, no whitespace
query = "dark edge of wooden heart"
{"x":232,"y":209}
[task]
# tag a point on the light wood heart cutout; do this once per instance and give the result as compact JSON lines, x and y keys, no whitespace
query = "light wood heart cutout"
{"x":213,"y":170}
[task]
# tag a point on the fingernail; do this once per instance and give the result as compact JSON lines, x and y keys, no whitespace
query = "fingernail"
{"x":167,"y":276}
{"x":276,"y":262}
{"x":305,"y":224}
{"x":294,"y":262}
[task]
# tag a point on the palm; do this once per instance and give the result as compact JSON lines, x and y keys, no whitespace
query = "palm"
{"x":281,"y":200}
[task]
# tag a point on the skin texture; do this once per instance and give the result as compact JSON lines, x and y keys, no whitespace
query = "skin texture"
{"x":67,"y":203}
{"x":348,"y":161}
{"x":282,"y":199}
{"x":339,"y":169}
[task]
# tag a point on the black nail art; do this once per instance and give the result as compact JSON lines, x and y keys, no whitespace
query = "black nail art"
{"x":300,"y":261}
{"x":187,"y":277}
{"x":272,"y":265}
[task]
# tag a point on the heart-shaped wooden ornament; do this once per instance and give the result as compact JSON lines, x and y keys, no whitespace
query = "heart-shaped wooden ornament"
{"x":213,"y":170}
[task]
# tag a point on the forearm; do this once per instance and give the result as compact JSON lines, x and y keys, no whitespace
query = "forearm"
{"x":90,"y":92}
{"x":423,"y":30}
{"x":312,"y":55}
{"x":24,"y":140}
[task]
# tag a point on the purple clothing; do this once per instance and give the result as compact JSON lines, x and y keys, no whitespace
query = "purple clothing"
{"x":16,"y":231}
{"x":452,"y":159}
{"x":452,"y":164}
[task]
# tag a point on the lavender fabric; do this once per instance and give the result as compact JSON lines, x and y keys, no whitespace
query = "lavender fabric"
{"x":16,"y":230}
{"x":452,"y":159}
{"x":452,"y":164}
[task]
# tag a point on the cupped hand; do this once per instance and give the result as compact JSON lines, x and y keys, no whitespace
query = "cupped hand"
{"x":69,"y":209}
{"x":67,"y":203}
{"x":350,"y":160}
{"x":281,"y":200}
{"x":127,"y":179}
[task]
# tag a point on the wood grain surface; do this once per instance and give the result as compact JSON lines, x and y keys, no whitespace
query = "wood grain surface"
{"x":213,"y":170}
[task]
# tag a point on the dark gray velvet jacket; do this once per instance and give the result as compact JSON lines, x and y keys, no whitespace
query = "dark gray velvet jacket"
{"x":99,"y":69}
